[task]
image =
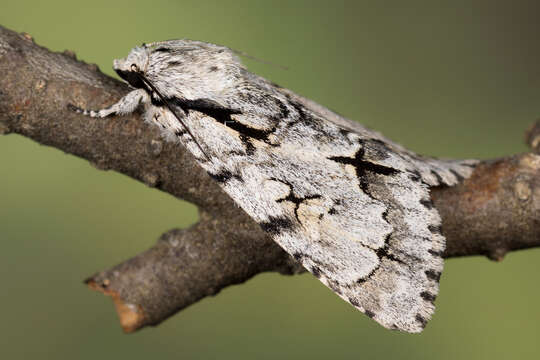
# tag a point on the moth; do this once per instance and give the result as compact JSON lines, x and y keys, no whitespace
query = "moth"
{"x":350,"y":205}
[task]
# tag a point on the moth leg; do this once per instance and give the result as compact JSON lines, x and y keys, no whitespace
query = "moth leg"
{"x":125,"y":105}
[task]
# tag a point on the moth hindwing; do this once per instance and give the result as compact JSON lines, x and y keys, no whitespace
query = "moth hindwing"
{"x":350,"y":205}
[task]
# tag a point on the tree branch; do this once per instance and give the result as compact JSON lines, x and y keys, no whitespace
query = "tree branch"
{"x":495,"y":211}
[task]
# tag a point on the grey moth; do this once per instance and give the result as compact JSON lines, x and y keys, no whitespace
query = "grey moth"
{"x":350,"y":205}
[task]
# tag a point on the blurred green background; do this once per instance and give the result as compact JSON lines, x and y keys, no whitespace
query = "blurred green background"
{"x":453,"y":79}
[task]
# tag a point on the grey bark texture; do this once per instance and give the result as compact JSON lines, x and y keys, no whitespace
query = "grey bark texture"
{"x":495,"y":211}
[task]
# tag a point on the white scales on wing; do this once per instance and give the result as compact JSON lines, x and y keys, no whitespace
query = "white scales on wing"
{"x":351,"y":206}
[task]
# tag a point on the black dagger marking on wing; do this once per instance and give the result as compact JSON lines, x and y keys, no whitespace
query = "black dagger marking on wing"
{"x":170,"y":107}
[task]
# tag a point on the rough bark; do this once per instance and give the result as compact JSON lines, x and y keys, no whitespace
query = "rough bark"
{"x":495,"y":211}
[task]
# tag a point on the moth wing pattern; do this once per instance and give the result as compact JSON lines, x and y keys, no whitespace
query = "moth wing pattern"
{"x":353,"y":207}
{"x":353,"y":211}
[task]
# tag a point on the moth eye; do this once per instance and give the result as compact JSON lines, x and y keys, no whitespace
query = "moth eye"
{"x":134,"y":67}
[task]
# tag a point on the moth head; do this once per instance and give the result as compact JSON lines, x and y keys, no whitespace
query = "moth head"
{"x":132,"y":67}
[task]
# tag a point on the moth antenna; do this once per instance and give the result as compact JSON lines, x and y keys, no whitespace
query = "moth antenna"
{"x":169,"y":106}
{"x":246,"y":55}
{"x":154,"y":43}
